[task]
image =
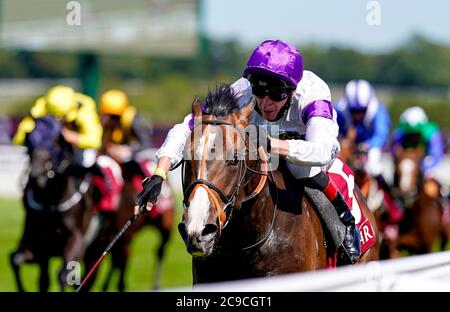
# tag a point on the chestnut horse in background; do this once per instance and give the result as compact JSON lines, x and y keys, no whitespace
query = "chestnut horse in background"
{"x":422,"y":223}
{"x":161,"y":217}
{"x":232,"y":225}
{"x":356,"y":159}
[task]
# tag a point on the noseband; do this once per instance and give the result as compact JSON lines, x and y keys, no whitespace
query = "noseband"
{"x":224,"y":213}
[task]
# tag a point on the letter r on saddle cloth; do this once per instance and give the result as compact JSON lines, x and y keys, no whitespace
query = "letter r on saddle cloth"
{"x":343,"y":177}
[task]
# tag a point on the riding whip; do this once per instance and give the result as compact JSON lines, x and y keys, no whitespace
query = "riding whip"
{"x":130,"y":221}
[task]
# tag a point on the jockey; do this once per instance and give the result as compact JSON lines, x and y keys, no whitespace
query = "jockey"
{"x":415,"y":130}
{"x":361,"y":110}
{"x":297,"y":101}
{"x":81,"y":125}
{"x":126,"y":133}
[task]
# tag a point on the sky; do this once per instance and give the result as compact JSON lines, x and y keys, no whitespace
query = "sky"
{"x":326,"y":22}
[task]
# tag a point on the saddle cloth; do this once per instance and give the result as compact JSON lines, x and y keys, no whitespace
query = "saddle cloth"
{"x":109,"y":186}
{"x":343,"y":177}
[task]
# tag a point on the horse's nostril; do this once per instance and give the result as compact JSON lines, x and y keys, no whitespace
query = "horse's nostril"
{"x":209,"y":229}
{"x":182,"y":230}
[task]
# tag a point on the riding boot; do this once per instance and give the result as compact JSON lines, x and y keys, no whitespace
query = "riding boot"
{"x":350,"y":250}
{"x":351,"y":247}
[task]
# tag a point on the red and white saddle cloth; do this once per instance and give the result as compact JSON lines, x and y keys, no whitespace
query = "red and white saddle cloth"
{"x":109,"y":186}
{"x":165,"y":199}
{"x":343,"y":177}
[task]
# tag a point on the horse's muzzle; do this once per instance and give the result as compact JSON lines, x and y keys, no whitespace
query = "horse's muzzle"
{"x":199,"y":245}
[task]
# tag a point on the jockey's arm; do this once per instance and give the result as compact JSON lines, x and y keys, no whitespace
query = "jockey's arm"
{"x":320,"y":146}
{"x":173,"y":146}
{"x":397,"y":142}
{"x":169,"y":154}
{"x":70,"y":136}
{"x":27,"y":124}
{"x":435,"y":151}
{"x":90,"y":133}
{"x":381,"y":125}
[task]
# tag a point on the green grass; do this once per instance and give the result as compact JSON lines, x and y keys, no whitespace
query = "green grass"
{"x":141,"y":265}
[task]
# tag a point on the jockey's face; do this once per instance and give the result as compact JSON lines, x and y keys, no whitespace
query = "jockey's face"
{"x":270,"y":108}
{"x":357,"y":116}
{"x":271,"y":95}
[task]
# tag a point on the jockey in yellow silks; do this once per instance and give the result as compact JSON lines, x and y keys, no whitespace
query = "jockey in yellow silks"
{"x":78,"y":114}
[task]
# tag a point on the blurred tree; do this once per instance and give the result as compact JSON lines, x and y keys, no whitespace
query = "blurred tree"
{"x":418,"y":62}
{"x":11,"y":65}
{"x":339,"y":64}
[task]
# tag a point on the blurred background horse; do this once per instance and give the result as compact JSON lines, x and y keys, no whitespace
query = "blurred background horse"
{"x":161,"y":217}
{"x":423,"y":220}
{"x":57,"y":206}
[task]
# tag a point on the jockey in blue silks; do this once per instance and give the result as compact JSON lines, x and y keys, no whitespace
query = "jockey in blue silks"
{"x":294,"y":100}
{"x":361,"y":109}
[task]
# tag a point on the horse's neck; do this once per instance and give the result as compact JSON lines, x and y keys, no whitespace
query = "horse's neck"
{"x":251,"y":223}
{"x":363,"y":180}
{"x":409,"y":177}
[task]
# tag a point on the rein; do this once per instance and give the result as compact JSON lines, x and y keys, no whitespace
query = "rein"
{"x":224,"y":212}
{"x":63,"y":206}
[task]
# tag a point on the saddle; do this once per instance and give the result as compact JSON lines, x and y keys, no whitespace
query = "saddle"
{"x":289,"y":191}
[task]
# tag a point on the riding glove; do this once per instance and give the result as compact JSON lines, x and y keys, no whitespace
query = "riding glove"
{"x":150,"y":191}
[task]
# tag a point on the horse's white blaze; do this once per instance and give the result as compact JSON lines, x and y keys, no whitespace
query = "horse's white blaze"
{"x":200,"y":148}
{"x":406,"y":168}
{"x":198,"y":212}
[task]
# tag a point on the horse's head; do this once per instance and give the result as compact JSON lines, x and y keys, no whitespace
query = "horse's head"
{"x":216,"y":172}
{"x":355,"y":155}
{"x":47,"y":152}
{"x":407,"y":171}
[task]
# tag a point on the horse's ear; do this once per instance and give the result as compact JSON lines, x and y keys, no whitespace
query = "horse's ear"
{"x":197,"y":107}
{"x":246,"y":111}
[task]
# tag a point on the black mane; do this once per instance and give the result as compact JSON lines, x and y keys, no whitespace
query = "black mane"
{"x":222,"y":102}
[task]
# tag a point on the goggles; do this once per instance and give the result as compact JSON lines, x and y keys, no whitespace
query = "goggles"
{"x":276,"y":94}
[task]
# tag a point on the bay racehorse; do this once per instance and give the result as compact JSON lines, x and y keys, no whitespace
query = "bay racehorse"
{"x":232,"y":224}
{"x":57,"y":207}
{"x":423,"y":220}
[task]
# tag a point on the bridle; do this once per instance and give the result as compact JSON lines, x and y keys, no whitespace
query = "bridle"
{"x":224,"y":212}
{"x":51,"y":171}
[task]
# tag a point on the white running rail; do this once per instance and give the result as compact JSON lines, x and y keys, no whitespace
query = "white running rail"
{"x":416,"y":273}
